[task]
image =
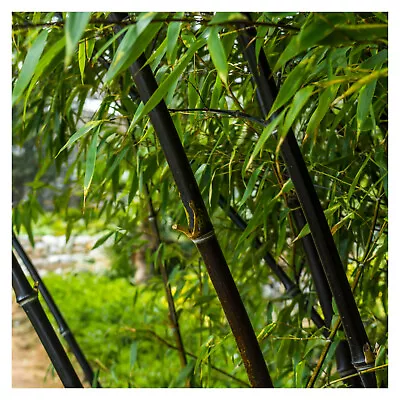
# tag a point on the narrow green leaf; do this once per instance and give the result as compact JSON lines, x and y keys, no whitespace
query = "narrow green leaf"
{"x":226,"y":16}
{"x":306,"y":228}
{"x":361,"y":82}
{"x":324,"y":103}
{"x":250,"y":186}
{"x":357,"y":178}
{"x":133,"y":354}
{"x":134,"y":187}
{"x":101,"y":240}
{"x":172,"y":38}
{"x":133,"y":44}
{"x":89,"y":48}
{"x":109,"y":42}
{"x":82,"y":58}
{"x":290,"y":86}
{"x":364,"y":103}
{"x":311,"y":33}
{"x":79,"y":133}
{"x":90,"y":164}
{"x":29,"y":66}
{"x":299,"y":100}
{"x":75,"y":25}
{"x":217,"y":54}
{"x":266,"y":133}
{"x":116,"y":162}
{"x":162,"y":90}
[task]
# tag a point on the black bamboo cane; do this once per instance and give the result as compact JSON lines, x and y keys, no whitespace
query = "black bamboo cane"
{"x":291,"y":288}
{"x":62,"y":324}
{"x":360,"y":348}
{"x":27,"y":298}
{"x":200,"y":227}
{"x":343,"y":355}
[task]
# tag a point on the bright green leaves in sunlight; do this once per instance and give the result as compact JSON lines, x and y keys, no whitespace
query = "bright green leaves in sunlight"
{"x":135,"y":41}
{"x":74,"y":27}
{"x":217,"y":54}
{"x":318,"y":27}
{"x":29,"y":65}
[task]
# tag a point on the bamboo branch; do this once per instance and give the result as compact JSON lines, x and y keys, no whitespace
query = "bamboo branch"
{"x":171,"y":346}
{"x":230,"y":113}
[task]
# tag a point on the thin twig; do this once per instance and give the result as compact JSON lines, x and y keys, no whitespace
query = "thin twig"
{"x":171,"y":346}
{"x":231,"y":113}
{"x":197,"y":21}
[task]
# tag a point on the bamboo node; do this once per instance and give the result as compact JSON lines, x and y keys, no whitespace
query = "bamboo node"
{"x":204,"y":237}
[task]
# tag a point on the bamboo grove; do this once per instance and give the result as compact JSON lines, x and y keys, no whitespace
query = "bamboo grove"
{"x":259,"y":137}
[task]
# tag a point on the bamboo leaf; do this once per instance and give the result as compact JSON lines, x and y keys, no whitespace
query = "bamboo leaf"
{"x":133,"y":44}
{"x":74,"y":27}
{"x":217,"y":54}
{"x":250,"y":186}
{"x":357,"y":178}
{"x":306,"y":228}
{"x":162,"y":90}
{"x":82,"y":59}
{"x":79,"y":133}
{"x":337,"y":226}
{"x":324,"y":103}
{"x":311,"y":33}
{"x":29,"y":65}
{"x":108,"y":43}
{"x":172,"y":38}
{"x":102,"y":240}
{"x":364,"y":103}
{"x":361,"y":82}
{"x":133,"y":354}
{"x":266,"y":133}
{"x":291,"y":85}
{"x":116,"y":162}
{"x":90,"y":165}
{"x":299,"y":100}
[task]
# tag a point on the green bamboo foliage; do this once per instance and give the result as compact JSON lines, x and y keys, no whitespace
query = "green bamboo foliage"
{"x":333,"y":69}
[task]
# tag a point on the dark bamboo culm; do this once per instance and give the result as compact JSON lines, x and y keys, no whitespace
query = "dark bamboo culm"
{"x":27,"y":298}
{"x":343,"y":356}
{"x":62,"y":324}
{"x":291,"y":287}
{"x":200,"y":226}
{"x":360,"y":348}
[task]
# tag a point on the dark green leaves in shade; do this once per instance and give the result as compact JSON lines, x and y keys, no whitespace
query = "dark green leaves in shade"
{"x":90,"y":164}
{"x":217,"y":54}
{"x":135,"y":41}
{"x":251,"y":184}
{"x":29,"y":65}
{"x":74,"y":27}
